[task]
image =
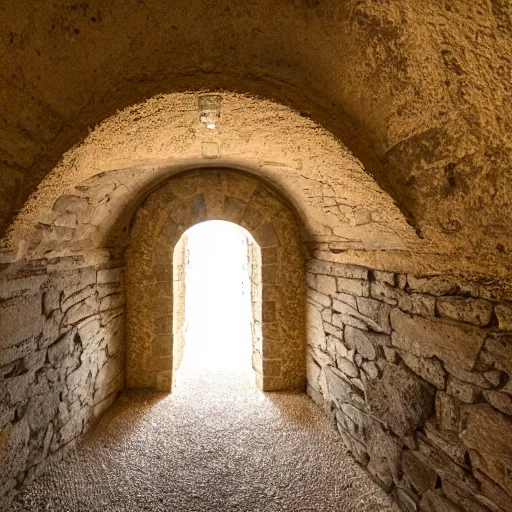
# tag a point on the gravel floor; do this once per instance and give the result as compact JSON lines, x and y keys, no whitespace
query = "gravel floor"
{"x":215,"y":444}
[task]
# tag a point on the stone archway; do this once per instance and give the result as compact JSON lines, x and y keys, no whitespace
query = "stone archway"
{"x":185,"y":200}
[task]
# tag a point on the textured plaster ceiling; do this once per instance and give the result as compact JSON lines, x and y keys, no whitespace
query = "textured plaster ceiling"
{"x":419,"y":92}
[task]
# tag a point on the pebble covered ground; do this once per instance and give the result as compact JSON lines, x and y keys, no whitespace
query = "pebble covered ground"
{"x":216,"y":443}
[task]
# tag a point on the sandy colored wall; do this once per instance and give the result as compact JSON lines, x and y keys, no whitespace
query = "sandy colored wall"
{"x":418,"y":91}
{"x":215,"y":195}
{"x":180,"y":262}
{"x":61,"y":360}
{"x":415,"y":373}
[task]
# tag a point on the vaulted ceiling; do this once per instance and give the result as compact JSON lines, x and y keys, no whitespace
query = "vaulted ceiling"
{"x":420,"y":92}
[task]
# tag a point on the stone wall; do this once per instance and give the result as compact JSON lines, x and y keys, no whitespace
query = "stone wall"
{"x":61,"y":360}
{"x":415,"y":372}
{"x":180,"y":263}
{"x":188,"y":199}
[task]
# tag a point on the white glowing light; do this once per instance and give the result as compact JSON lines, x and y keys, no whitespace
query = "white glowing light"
{"x":211,"y":126}
{"x":218,"y":311}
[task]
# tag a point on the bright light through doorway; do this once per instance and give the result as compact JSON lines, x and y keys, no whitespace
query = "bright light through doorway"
{"x":217,"y":330}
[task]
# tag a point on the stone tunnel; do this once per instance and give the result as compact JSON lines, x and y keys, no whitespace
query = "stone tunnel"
{"x":366,"y":149}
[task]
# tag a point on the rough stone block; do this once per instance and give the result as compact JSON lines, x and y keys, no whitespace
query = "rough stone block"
{"x":321,"y":358}
{"x":422,"y":478}
{"x":77,"y":297}
{"x":112,"y":301}
{"x":353,"y":286}
{"x":340,"y":390}
{"x":327,"y":315}
{"x":77,"y":280}
{"x":433,"y":501}
{"x":315,"y":327}
{"x":406,"y":500}
{"x":100,"y":408}
{"x":430,"y":455}
{"x":433,"y":285}
{"x":498,"y":351}
{"x":17,"y":351}
{"x":354,"y":446}
{"x":448,"y":442}
{"x":500,"y":401}
{"x":417,"y":304}
{"x":400,"y":399}
{"x":319,"y":298}
{"x":114,"y":386}
{"x":335,"y":269}
{"x":462,"y":499}
{"x":80,"y":311}
{"x":447,"y":412}
{"x":385,"y":453}
{"x":476,"y":378}
{"x":19,"y":286}
{"x":455,"y":344}
{"x":20,"y":319}
{"x":473,"y":311}
{"x":375,"y":310}
{"x":384,"y":277}
{"x":66,"y":351}
{"x":370,"y":369}
{"x":504,"y":315}
{"x":347,"y":367}
{"x":343,"y":352}
{"x":326,"y":284}
{"x":313,"y":374}
{"x":463,"y":391}
{"x":430,"y":369}
{"x":347,"y":299}
{"x":350,"y":316}
{"x":494,"y":447}
{"x":361,"y":341}
{"x":352,"y":420}
{"x":492,"y":495}
{"x":390,"y":354}
{"x":385,"y":293}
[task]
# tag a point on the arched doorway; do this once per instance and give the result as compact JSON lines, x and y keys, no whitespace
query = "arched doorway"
{"x":217,"y":300}
{"x":188,"y":199}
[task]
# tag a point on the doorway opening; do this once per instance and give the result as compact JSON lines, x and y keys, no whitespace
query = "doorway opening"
{"x":217,"y":301}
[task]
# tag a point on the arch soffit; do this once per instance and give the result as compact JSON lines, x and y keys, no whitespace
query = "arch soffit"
{"x":340,"y":204}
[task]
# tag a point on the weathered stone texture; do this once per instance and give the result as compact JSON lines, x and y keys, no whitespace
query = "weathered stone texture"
{"x":280,"y":311}
{"x":504,"y":315}
{"x":69,"y":360}
{"x":400,"y":400}
{"x":456,"y":344}
{"x":473,"y":311}
{"x":487,"y":432}
{"x":423,"y":402}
